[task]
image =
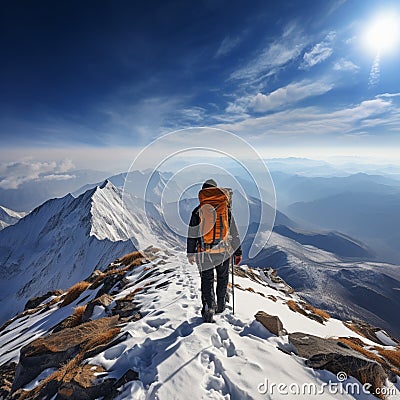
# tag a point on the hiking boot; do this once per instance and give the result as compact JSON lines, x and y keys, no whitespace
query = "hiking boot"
{"x":207,"y":314}
{"x":221,"y":305}
{"x":220,"y":308}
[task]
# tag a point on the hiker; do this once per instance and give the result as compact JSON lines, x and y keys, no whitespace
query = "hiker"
{"x":212,"y":246}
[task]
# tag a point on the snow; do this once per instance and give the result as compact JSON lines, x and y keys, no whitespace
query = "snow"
{"x":337,"y":284}
{"x":65,"y":239}
{"x":9,"y":217}
{"x":385,"y":338}
{"x":176,"y":354}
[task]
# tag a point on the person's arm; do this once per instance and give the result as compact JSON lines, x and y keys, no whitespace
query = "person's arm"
{"x":235,"y":240}
{"x":193,"y":236}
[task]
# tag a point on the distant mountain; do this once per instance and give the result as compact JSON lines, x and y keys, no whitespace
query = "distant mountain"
{"x":373,"y":218}
{"x":65,"y":239}
{"x":9,"y":217}
{"x":348,"y":289}
{"x":334,"y":242}
{"x":296,"y":188}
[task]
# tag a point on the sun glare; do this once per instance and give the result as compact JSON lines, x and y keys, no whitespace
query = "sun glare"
{"x":383,"y":33}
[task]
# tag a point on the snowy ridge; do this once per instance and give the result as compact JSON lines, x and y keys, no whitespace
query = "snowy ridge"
{"x":9,"y":217}
{"x":175,"y":354}
{"x":60,"y":243}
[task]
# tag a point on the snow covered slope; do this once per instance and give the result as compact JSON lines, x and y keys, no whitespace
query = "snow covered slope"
{"x":9,"y":217}
{"x":64,"y":240}
{"x":367,"y":290}
{"x":163,"y":350}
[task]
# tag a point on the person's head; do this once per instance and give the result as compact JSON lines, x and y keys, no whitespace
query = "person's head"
{"x":209,"y":183}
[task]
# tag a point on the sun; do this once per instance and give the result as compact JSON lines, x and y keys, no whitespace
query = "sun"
{"x":383,"y":33}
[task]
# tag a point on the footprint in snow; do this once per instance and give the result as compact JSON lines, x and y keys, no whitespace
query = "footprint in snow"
{"x":221,"y":341}
{"x":157,"y":322}
{"x":185,"y":329}
{"x":114,"y":352}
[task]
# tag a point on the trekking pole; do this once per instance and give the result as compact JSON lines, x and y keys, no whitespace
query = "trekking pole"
{"x":233,"y":289}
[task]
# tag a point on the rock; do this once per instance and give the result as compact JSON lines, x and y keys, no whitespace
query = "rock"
{"x":108,"y":283}
{"x":127,"y":308}
{"x":95,"y":274}
{"x":271,"y":322}
{"x":335,"y":356}
{"x":104,"y":300}
{"x":35,"y":301}
{"x":84,"y":385}
{"x":129,"y":376}
{"x":7,"y":373}
{"x":369,"y":331}
{"x":57,"y":349}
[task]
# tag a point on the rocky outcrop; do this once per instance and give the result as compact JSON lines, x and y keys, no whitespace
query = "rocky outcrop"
{"x":370,"y":332}
{"x":36,"y":301}
{"x":271,"y":322}
{"x":336,"y":356}
{"x":7,"y":373}
{"x":103,"y":301}
{"x":57,"y":349}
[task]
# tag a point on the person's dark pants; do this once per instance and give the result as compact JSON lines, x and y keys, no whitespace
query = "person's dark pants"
{"x":207,"y":284}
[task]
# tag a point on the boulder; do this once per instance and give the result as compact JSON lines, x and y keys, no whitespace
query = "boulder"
{"x":335,"y":356}
{"x":104,"y":301}
{"x":271,"y":322}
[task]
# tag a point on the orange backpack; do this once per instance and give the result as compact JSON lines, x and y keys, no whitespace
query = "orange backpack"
{"x":214,"y":219}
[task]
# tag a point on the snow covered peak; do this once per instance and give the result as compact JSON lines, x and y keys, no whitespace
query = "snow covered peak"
{"x":108,"y":216}
{"x":9,"y":217}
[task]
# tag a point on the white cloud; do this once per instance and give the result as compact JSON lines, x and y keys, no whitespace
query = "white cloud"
{"x":289,"y":94}
{"x":193,"y":114}
{"x":375,"y":73}
{"x":311,"y":121}
{"x":345,"y":65}
{"x":320,"y":52}
{"x":12,"y":175}
{"x":388,"y":95}
{"x":55,"y":177}
{"x":227,"y":45}
{"x":274,"y":56}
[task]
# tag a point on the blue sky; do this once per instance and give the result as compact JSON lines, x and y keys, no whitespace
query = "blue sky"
{"x":291,"y":77}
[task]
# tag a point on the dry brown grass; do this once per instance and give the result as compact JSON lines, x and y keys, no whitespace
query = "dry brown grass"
{"x":354,"y":328}
{"x":365,"y":377}
{"x":294,"y":306}
{"x":74,"y":292}
{"x":317,"y":311}
{"x":118,"y":271}
{"x":389,"y":359}
{"x":393,"y":356}
{"x":70,"y":369}
{"x":76,"y":317}
{"x":129,"y":258}
{"x":354,"y":343}
{"x":303,"y":307}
